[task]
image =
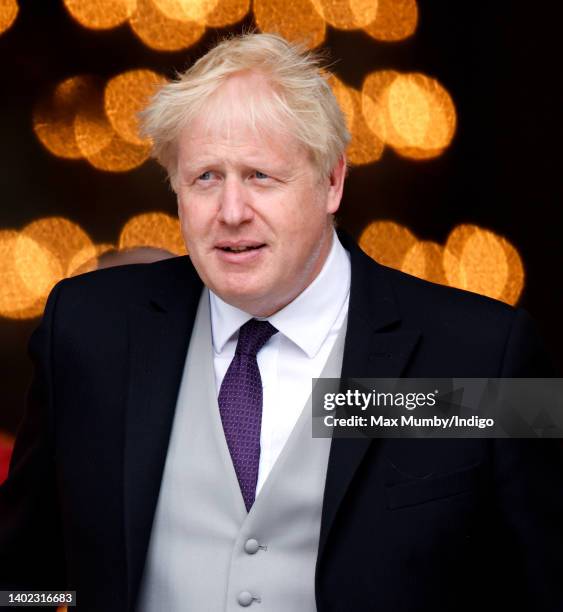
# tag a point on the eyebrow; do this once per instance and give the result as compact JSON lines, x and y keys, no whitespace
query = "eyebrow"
{"x":199,"y":167}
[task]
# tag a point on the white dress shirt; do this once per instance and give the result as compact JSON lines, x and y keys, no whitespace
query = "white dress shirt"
{"x":307,"y":330}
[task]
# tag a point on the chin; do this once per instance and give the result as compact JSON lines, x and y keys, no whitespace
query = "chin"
{"x":250,"y":301}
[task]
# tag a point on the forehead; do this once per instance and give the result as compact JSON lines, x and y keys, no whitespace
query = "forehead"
{"x":240,"y":119}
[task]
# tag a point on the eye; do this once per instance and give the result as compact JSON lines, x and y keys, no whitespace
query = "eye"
{"x":260,"y":175}
{"x":205,"y":176}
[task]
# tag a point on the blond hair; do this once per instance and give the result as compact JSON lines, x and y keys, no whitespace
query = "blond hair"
{"x":299,"y":100}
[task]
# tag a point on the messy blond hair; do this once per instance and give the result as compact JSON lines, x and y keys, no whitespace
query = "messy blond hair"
{"x":299,"y":100}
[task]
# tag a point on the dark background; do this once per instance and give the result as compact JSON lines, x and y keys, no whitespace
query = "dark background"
{"x":499,"y":60}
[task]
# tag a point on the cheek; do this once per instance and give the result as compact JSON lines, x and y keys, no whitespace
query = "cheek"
{"x":193,"y":219}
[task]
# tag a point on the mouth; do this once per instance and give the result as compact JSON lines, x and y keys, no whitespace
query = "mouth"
{"x":241,"y":252}
{"x":241,"y":249}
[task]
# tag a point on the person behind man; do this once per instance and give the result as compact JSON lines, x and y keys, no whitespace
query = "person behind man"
{"x":166,"y":460}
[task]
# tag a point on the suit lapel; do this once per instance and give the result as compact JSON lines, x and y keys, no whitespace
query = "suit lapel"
{"x":376,"y":346}
{"x":159,"y":334}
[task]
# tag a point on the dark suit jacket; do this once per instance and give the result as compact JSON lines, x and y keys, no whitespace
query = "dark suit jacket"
{"x":407,"y":525}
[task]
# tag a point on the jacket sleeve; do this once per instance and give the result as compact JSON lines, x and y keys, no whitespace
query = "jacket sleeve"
{"x":31,"y":543}
{"x":529,"y":487}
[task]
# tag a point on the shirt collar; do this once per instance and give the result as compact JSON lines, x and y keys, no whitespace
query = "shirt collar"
{"x":306,"y":320}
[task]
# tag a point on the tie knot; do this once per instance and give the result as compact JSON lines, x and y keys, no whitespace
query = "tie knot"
{"x":253,"y":335}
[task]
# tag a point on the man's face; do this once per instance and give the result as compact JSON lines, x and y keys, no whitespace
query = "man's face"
{"x":254,"y":212}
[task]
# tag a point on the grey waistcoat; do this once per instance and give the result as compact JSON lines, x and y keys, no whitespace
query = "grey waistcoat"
{"x":206,"y":553}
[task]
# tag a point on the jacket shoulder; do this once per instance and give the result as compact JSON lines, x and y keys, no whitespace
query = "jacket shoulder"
{"x":119,"y":286}
{"x":434,"y":301}
{"x":472,"y":327}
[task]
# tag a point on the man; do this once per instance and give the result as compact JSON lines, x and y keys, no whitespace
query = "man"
{"x":166,"y":459}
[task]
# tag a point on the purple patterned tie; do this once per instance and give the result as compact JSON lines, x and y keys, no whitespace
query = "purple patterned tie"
{"x":240,"y":405}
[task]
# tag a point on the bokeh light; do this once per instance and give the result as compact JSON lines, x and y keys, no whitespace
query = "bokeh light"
{"x":483,"y":265}
{"x":27,"y":272}
{"x":473,"y":259}
{"x":14,"y":296}
{"x":119,"y":156}
{"x":347,"y":14}
{"x":126,"y":95}
{"x":478,"y":260}
{"x":516,"y":275}
{"x":9,"y":10}
{"x":365,"y":147}
{"x":387,"y":242}
{"x":73,"y":123}
{"x":186,"y":10}
{"x":86,"y":260}
{"x":423,"y":115}
{"x":154,"y":229}
{"x":295,"y":21}
{"x":424,"y":259}
{"x":343,"y":96}
{"x":159,"y":32}
{"x":47,"y":250}
{"x":92,"y":130}
{"x":395,"y":20}
{"x":411,"y":112}
{"x":53,"y":116}
{"x":100,"y":14}
{"x":37,"y":266}
{"x":227,"y":12}
{"x":33,"y":260}
{"x":375,"y":103}
{"x":59,"y":236}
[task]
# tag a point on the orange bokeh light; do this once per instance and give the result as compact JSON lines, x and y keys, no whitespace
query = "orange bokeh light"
{"x":343,"y":96}
{"x":478,"y":260}
{"x":53,"y":116}
{"x":412,"y":113}
{"x":86,"y":260}
{"x":92,"y":129}
{"x":37,"y":266}
{"x":33,"y":260}
{"x":14,"y":296}
{"x":473,"y":259}
{"x":186,"y":10}
{"x":424,"y":259}
{"x":295,"y":21}
{"x":516,"y":275}
{"x":422,"y":114}
{"x":375,"y":105}
{"x":159,"y":32}
{"x":100,"y":14}
{"x":126,"y":95}
{"x":27,"y":273}
{"x":347,"y":14}
{"x":155,"y":229}
{"x":119,"y":156}
{"x":387,"y":242}
{"x":9,"y":10}
{"x":59,"y":236}
{"x":227,"y":12}
{"x":395,"y":20}
{"x":365,"y":147}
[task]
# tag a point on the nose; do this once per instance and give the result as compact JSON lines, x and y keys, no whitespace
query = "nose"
{"x":234,"y":205}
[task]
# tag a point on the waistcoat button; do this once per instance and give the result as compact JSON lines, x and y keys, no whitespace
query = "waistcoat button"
{"x":245,"y":598}
{"x":251,"y":546}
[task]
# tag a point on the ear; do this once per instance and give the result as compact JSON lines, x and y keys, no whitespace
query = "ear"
{"x":336,"y":185}
{"x":178,"y":206}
